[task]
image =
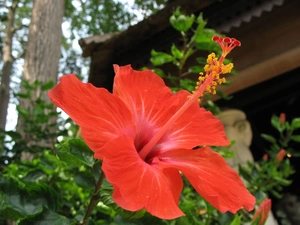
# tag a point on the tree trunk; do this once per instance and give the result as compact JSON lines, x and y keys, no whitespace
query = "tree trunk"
{"x":7,"y":63}
{"x":44,"y":41}
{"x":43,"y":50}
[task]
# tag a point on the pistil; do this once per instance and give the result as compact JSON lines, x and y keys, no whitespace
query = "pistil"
{"x":149,"y":146}
{"x":207,"y":84}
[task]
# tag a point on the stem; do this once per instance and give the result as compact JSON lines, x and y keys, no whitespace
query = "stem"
{"x":187,"y":47}
{"x":182,"y":61}
{"x":94,"y":200}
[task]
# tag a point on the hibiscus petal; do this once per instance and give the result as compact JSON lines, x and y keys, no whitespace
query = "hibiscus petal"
{"x":148,"y":98}
{"x":101,"y":115}
{"x":144,"y":92}
{"x":132,"y":85}
{"x":139,"y":185}
{"x":196,"y":126}
{"x":153,"y":105}
{"x":212,"y":178}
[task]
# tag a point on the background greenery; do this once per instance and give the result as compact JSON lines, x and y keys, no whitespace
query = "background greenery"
{"x":60,"y":185}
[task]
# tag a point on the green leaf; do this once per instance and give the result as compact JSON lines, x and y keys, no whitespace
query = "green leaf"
{"x":201,"y":23}
{"x":23,"y":112}
{"x":196,"y":69}
{"x":76,"y":151}
{"x":106,"y":198}
{"x":275,"y":121}
{"x":159,"y":72}
{"x":46,"y":217}
{"x":18,"y":201}
{"x":160,"y":58}
{"x":35,"y":84}
{"x":187,"y":84}
{"x":208,"y":46}
{"x":296,"y":138}
{"x":48,"y":85}
{"x":201,"y":60}
{"x":276,"y":194}
{"x":224,"y":96}
{"x":181,"y":22}
{"x":245,"y":173}
{"x":81,"y":151}
{"x":206,"y":36}
{"x":236,"y":221}
{"x":85,"y":180}
{"x":268,"y":138}
{"x":13,"y":134}
{"x":26,"y":85}
{"x":35,"y":175}
{"x":176,"y":52}
{"x":295,"y":123}
{"x":282,"y":181}
{"x":23,"y":95}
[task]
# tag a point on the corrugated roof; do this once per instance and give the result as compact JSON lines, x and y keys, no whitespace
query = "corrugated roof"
{"x":244,"y":13}
{"x":221,"y":15}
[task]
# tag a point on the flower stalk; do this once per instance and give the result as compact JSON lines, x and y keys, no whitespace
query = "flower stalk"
{"x":94,"y":200}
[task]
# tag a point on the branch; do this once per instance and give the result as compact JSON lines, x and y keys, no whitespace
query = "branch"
{"x":20,"y":55}
{"x":15,"y":4}
{"x":94,"y":200}
{"x":83,"y":6}
{"x":14,"y":29}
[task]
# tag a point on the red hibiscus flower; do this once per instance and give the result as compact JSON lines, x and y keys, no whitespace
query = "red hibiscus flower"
{"x":145,"y":135}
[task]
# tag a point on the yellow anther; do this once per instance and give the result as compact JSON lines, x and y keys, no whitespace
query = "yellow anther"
{"x":208,"y":89}
{"x":214,"y":68}
{"x":227,"y":68}
{"x":206,"y":68}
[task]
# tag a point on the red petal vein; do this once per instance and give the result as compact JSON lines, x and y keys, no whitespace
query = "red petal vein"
{"x":101,"y":115}
{"x":212,"y":178}
{"x":138,"y":185}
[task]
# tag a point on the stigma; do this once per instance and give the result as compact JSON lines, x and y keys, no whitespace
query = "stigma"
{"x":214,"y":68}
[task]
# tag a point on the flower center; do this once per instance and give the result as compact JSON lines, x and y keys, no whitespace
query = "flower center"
{"x":207,"y":84}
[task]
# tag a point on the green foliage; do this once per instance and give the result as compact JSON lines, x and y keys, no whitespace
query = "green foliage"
{"x":181,"y":22}
{"x":57,"y":184}
{"x":267,"y":176}
{"x":295,"y":123}
{"x":47,"y":217}
{"x":64,"y":184}
{"x":271,"y":175}
{"x":195,"y":38}
{"x":95,"y":17}
{"x":159,"y":58}
{"x":286,"y":135}
{"x":21,"y":199}
{"x":148,"y":7}
{"x":236,"y":221}
{"x":39,"y":124}
{"x":264,"y":177}
{"x":75,"y":151}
